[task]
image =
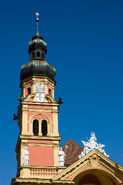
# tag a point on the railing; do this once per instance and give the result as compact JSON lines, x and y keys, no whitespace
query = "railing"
{"x":43,"y":172}
{"x":39,"y":172}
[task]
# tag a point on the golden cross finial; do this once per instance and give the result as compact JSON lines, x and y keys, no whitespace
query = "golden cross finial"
{"x":37,"y":20}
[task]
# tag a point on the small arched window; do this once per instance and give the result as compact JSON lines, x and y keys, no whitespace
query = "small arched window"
{"x":38,"y":54}
{"x":35,"y":127}
{"x":44,"y":128}
{"x":33,"y":54}
{"x":29,"y":91}
{"x":43,"y":56}
{"x":50,"y":92}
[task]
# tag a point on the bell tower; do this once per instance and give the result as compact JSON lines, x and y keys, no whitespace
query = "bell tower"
{"x":37,"y":147}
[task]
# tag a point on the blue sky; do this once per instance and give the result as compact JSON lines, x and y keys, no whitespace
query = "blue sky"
{"x":85,"y":45}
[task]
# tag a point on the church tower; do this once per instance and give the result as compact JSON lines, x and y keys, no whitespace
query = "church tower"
{"x":40,"y":160}
{"x":37,"y":147}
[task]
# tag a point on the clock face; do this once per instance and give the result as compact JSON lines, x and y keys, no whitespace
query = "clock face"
{"x":40,"y":92}
{"x":40,"y":87}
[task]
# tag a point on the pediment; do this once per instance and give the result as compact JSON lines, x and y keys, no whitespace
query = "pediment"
{"x":94,"y":160}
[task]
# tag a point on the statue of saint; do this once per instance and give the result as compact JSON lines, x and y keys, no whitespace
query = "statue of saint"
{"x":25,"y":156}
{"x":92,"y":144}
{"x":61,"y":157}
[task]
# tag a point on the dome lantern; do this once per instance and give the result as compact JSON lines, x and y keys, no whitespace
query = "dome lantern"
{"x":37,"y":47}
{"x":38,"y":66}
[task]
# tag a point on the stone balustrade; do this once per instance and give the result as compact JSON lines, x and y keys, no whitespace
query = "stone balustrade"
{"x":39,"y":172}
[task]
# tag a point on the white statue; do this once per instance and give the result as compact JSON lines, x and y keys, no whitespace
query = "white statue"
{"x":91,"y":144}
{"x":61,"y":157}
{"x":25,"y":157}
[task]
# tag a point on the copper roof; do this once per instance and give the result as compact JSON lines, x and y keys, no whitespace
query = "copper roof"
{"x":72,"y":150}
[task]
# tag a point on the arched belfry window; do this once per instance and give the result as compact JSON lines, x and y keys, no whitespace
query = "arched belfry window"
{"x":38,"y":54}
{"x":35,"y":127}
{"x":44,"y":128}
{"x":29,"y":91}
{"x":50,"y":92}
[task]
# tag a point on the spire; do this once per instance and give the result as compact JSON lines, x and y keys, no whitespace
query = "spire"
{"x":37,"y":20}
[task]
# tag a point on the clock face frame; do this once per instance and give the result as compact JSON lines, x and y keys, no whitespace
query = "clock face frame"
{"x":39,"y":87}
{"x":40,"y":92}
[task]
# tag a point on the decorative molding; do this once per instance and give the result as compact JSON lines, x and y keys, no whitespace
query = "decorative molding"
{"x":37,"y":77}
{"x":40,"y":113}
{"x":94,"y":161}
{"x":28,"y":97}
{"x":39,"y":103}
{"x":50,"y":98}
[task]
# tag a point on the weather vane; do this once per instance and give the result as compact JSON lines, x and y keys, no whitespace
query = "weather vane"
{"x":37,"y":20}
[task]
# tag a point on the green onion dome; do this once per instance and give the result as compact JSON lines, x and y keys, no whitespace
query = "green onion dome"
{"x":37,"y":66}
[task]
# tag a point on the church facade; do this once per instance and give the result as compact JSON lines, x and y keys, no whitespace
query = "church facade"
{"x":40,"y":159}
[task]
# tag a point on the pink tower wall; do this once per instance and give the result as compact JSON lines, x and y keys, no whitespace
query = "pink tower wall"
{"x":41,"y":156}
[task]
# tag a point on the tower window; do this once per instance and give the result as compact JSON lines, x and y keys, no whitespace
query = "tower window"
{"x":50,"y":92}
{"x":43,"y":55}
{"x":44,"y":128}
{"x":38,"y":54}
{"x":29,"y":91}
{"x":33,"y":54}
{"x":35,"y":127}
